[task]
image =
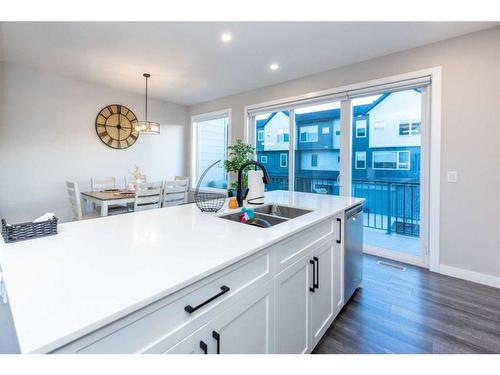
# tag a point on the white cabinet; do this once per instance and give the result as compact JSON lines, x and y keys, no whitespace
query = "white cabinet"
{"x":193,"y":344}
{"x":247,"y":326}
{"x":292,"y":307}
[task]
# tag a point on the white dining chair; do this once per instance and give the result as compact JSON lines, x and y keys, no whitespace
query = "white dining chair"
{"x":148,"y":195}
{"x":175,"y":192}
{"x":98,"y":184}
{"x":76,"y":203}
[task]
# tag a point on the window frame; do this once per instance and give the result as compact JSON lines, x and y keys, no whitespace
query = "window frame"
{"x":365,"y":127}
{"x":411,"y":129}
{"x":307,"y":134}
{"x":281,"y":160}
{"x":193,"y":164}
{"x":356,"y":154}
{"x":314,"y":156}
{"x":261,"y":159}
{"x":260,"y":133}
{"x":398,"y":168}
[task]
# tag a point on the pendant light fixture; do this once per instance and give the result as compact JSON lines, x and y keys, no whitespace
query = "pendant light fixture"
{"x":146,"y":126}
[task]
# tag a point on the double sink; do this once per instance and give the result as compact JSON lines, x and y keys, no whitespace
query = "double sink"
{"x":269,"y":215}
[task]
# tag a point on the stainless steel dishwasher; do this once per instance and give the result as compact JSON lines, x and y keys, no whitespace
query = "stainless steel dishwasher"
{"x":353,"y":250}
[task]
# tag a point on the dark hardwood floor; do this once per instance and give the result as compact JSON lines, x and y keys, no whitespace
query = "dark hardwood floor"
{"x":416,"y":311}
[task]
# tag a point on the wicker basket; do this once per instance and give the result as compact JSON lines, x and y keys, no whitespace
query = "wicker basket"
{"x":208,"y":201}
{"x":26,"y":231}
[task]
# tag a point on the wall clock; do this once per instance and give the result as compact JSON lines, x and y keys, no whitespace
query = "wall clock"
{"x":115,"y":126}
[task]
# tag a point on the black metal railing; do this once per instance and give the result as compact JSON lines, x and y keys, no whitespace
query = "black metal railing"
{"x":392,"y":206}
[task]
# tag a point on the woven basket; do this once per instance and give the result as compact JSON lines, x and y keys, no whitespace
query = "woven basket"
{"x":26,"y":231}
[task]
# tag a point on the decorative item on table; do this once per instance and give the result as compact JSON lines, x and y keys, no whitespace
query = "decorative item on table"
{"x":209,"y":201}
{"x":138,"y":177}
{"x":45,"y":225}
{"x":246,"y":214}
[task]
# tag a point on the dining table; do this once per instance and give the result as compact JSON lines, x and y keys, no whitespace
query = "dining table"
{"x":106,"y":198}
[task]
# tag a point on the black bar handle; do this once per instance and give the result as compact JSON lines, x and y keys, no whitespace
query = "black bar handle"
{"x":340,"y":230}
{"x":216,"y":336}
{"x":316,"y":283}
{"x":204,"y":347}
{"x":190,"y":309}
{"x":314,"y":275}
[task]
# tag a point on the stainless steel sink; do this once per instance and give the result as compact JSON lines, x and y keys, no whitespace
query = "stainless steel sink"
{"x":263,"y":220}
{"x":281,"y":211}
{"x":269,"y":215}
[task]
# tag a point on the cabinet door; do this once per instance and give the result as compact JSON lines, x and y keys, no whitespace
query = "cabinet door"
{"x":292,"y":308}
{"x":247,"y":326}
{"x":193,"y":344}
{"x":323,"y":300}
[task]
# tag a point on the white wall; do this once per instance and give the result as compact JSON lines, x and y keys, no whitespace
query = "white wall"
{"x":47,"y":136}
{"x":470,"y":209}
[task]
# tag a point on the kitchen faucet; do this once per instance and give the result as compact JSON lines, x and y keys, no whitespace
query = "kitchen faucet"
{"x":265,"y":179}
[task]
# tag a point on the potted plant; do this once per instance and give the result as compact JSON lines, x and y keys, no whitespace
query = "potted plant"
{"x":239,"y":153}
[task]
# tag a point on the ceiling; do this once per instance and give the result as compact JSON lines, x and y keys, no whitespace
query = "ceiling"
{"x":188,"y":61}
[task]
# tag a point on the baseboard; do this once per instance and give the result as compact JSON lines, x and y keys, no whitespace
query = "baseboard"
{"x":476,"y":277}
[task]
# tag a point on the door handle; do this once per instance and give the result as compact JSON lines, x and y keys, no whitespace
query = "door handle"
{"x":216,"y":336}
{"x":190,"y":309}
{"x":316,"y":283}
{"x":204,"y":347}
{"x":314,"y":276}
{"x":339,"y":240}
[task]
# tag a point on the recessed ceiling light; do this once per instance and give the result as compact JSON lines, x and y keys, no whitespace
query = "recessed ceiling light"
{"x":274,"y":66}
{"x":226,"y":37}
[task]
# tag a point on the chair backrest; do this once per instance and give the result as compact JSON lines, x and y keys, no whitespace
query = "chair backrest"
{"x":148,"y":196}
{"x":99,"y":184}
{"x":175,"y":192}
{"x":74,"y":200}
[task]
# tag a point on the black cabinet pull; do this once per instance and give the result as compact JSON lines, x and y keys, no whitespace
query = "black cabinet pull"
{"x":190,"y":309}
{"x":314,"y":275}
{"x":204,"y":347}
{"x":316,"y":283}
{"x":216,"y":336}
{"x":340,"y":230}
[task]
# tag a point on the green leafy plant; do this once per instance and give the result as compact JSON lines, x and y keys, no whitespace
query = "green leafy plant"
{"x":239,"y":153}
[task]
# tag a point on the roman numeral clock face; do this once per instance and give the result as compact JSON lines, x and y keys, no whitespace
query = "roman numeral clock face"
{"x":115,"y":126}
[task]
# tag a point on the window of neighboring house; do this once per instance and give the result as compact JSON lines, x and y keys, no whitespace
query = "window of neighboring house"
{"x":284,"y":160}
{"x":360,"y":161}
{"x":391,"y":160}
{"x":209,"y":144}
{"x":379,"y":126}
{"x":361,"y":128}
{"x":409,"y":128}
{"x":337,"y":132}
{"x":283,"y":136}
{"x":263,"y":159}
{"x":260,"y":135}
{"x":314,"y":160}
{"x":308,"y":134}
{"x":325,"y":130}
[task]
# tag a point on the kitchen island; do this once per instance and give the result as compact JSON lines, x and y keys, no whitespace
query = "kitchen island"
{"x":176,"y":280}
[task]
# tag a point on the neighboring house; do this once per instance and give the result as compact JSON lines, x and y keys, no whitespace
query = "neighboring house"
{"x":385,"y":136}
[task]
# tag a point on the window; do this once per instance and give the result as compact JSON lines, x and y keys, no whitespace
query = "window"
{"x":283,"y":160}
{"x":337,"y":132}
{"x":263,"y":159}
{"x":409,"y":128}
{"x":391,"y":160}
{"x":379,"y":126}
{"x":283,"y":136}
{"x":361,"y":128}
{"x":209,"y":144}
{"x":260,"y":135}
{"x":314,"y":160}
{"x":325,"y":130}
{"x":360,"y":161}
{"x":308,"y":134}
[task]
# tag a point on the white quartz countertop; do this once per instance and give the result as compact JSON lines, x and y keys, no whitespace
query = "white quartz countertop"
{"x":96,"y":271}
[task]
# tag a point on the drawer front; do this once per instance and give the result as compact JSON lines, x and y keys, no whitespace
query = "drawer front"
{"x":291,"y":249}
{"x":142,"y":330}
